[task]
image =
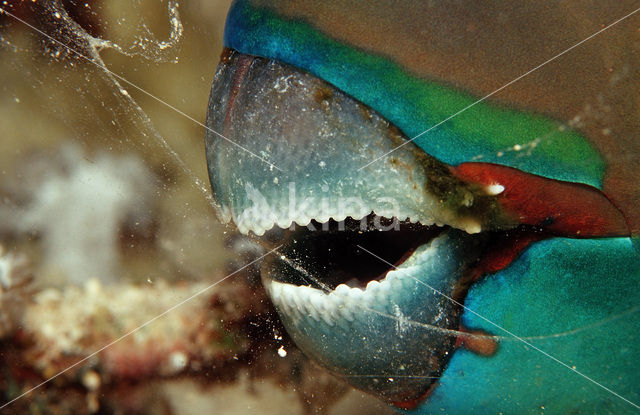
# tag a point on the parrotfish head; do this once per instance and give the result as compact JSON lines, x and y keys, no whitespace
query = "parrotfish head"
{"x":377,"y":241}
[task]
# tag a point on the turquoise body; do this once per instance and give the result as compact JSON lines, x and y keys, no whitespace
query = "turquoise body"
{"x":575,"y":300}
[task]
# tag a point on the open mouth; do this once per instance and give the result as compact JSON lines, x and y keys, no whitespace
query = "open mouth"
{"x":374,"y":259}
{"x":379,"y":308}
{"x":332,"y":254}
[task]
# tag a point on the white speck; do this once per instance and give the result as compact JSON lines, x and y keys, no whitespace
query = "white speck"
{"x":17,"y":100}
{"x":494,"y":189}
{"x":123,"y":91}
{"x":322,"y":164}
{"x":275,"y":180}
{"x":93,"y":287}
{"x":283,"y":83}
{"x":401,"y":323}
{"x":6,"y":269}
{"x":178,"y":361}
{"x":91,"y":380}
{"x":473,"y":227}
{"x":517,"y":147}
{"x":282,"y":352}
{"x":57,"y":15}
{"x":500,"y":154}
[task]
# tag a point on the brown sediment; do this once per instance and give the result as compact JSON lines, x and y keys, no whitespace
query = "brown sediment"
{"x":322,"y":94}
{"x":226,"y":55}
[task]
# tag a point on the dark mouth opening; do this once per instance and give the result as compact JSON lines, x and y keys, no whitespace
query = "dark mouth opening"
{"x":325,"y":255}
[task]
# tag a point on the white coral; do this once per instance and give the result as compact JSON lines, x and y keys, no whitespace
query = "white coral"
{"x":79,"y":209}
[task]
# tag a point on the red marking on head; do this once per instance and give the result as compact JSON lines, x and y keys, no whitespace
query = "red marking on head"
{"x":413,"y":403}
{"x":561,"y":208}
{"x":503,"y":251}
{"x":244,"y":62}
{"x":477,"y":341}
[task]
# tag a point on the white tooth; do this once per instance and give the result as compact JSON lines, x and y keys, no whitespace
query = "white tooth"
{"x":346,"y":312}
{"x":373,"y":287}
{"x":313,"y":293}
{"x":323,"y":218}
{"x":392,"y":276}
{"x":225,"y":213}
{"x":329,"y":312}
{"x":343,"y":317}
{"x":266,"y":225}
{"x":316,"y":302}
{"x":297,"y":298}
{"x":300,"y":297}
{"x":339,"y":217}
{"x":356,"y":294}
{"x":274,"y":291}
{"x":302,"y":220}
{"x":281,"y":299}
{"x":282,"y":294}
{"x":242,"y":228}
{"x":334,"y":308}
{"x":284,"y":223}
{"x":289,"y":296}
{"x":384,"y":287}
{"x":341,"y":290}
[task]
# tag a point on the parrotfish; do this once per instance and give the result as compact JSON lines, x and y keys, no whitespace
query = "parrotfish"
{"x":445,"y":250}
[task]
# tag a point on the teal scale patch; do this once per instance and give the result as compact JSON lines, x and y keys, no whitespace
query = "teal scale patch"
{"x":575,"y":299}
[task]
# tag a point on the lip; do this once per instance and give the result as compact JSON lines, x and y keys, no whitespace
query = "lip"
{"x":392,"y":337}
{"x":299,"y":147}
